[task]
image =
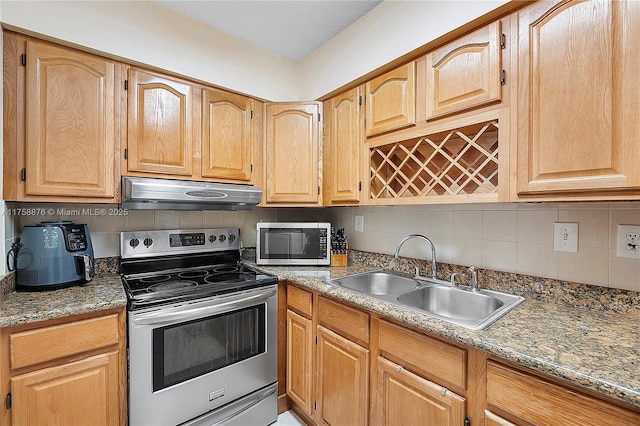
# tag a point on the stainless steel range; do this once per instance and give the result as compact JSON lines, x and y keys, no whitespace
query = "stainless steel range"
{"x":202,"y":330}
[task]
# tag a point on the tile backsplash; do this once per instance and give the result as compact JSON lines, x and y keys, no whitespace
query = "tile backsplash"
{"x":509,"y":237}
{"x":107,"y":221}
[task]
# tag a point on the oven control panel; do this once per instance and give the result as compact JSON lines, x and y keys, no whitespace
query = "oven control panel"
{"x":166,"y":242}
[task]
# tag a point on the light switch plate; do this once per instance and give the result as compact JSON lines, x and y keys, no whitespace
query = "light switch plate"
{"x":359,"y":223}
{"x":628,"y":243}
{"x":565,"y":237}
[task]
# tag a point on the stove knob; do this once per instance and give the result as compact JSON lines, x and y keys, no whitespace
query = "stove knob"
{"x":232,"y":238}
{"x":222,"y":238}
{"x":212,"y":238}
{"x":147,"y":242}
{"x":134,"y":242}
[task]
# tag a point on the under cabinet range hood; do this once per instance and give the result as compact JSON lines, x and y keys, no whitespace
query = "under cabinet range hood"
{"x":168,"y":194}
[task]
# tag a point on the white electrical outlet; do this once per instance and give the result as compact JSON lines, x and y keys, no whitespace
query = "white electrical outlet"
{"x":628,"y":244}
{"x":565,"y":237}
{"x":359,"y":222}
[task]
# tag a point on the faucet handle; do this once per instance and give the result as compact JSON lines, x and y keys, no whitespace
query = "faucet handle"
{"x":453,"y":278}
{"x":417,"y":270}
{"x":474,"y":277}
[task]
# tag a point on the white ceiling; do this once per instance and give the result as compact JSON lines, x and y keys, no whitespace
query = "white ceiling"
{"x":290,"y":28}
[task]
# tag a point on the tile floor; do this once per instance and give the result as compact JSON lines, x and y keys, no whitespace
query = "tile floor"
{"x":288,"y":418}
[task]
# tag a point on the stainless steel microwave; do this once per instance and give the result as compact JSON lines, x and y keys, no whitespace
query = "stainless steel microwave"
{"x":293,"y":243}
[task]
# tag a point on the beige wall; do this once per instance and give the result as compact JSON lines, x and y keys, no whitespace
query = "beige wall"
{"x":149,"y":33}
{"x":506,"y":237}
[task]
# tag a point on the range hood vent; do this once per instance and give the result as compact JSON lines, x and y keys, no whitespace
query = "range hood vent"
{"x":167,"y":194}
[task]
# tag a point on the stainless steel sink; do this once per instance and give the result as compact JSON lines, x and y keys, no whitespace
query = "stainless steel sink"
{"x":451,"y":303}
{"x":376,"y":282}
{"x":435,"y":298}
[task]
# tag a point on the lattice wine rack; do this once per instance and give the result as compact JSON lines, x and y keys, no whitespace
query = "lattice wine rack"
{"x":462,"y":161}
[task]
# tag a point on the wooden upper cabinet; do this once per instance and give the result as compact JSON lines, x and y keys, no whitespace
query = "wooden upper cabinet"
{"x":292,"y":153}
{"x":160,"y":124}
{"x":226,"y":135}
{"x":578,"y":100}
{"x":345,"y":147}
{"x":465,"y":73}
{"x":71,"y":123}
{"x":390,"y":100}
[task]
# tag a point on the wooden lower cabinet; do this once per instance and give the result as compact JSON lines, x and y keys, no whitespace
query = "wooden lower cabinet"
{"x":346,"y":366}
{"x":408,"y":399}
{"x":532,"y":399}
{"x":327,"y":374}
{"x":299,"y":358}
{"x":69,"y":371}
{"x":343,"y":385}
{"x":69,"y":394}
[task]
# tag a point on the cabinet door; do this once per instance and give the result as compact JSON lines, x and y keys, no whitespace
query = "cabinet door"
{"x":407,"y":399}
{"x":538,"y":401}
{"x":390,"y":101}
{"x":465,"y":73}
{"x":160,"y":124}
{"x":292,"y":153}
{"x":71,"y":119}
{"x":80,"y":392}
{"x":226,"y":135}
{"x":343,"y":380}
{"x":577,"y":96}
{"x":299,"y":360}
{"x":345,"y":147}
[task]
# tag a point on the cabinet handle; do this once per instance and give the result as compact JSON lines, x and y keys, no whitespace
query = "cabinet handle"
{"x":398,"y":368}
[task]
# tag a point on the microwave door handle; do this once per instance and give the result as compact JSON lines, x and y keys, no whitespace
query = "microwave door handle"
{"x":181,"y":314}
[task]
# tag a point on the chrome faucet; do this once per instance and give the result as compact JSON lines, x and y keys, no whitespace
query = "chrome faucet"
{"x":474,"y":278}
{"x":428,"y":241}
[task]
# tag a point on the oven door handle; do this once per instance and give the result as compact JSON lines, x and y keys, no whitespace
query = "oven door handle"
{"x":181,"y":314}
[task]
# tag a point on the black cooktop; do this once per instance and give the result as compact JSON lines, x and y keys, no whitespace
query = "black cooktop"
{"x":150,"y":282}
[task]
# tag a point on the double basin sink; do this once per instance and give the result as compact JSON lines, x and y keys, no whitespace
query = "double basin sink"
{"x":435,"y":298}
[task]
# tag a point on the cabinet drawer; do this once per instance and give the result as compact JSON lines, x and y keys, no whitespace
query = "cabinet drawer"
{"x":299,"y":300}
{"x":446,"y":362}
{"x":340,"y":318}
{"x":541,"y":402}
{"x":49,"y":343}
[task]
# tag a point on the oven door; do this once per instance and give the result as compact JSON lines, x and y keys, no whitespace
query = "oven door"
{"x":188,"y":359}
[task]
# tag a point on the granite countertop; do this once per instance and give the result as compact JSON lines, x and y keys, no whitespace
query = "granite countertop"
{"x":103,"y":292}
{"x":595,"y":349}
